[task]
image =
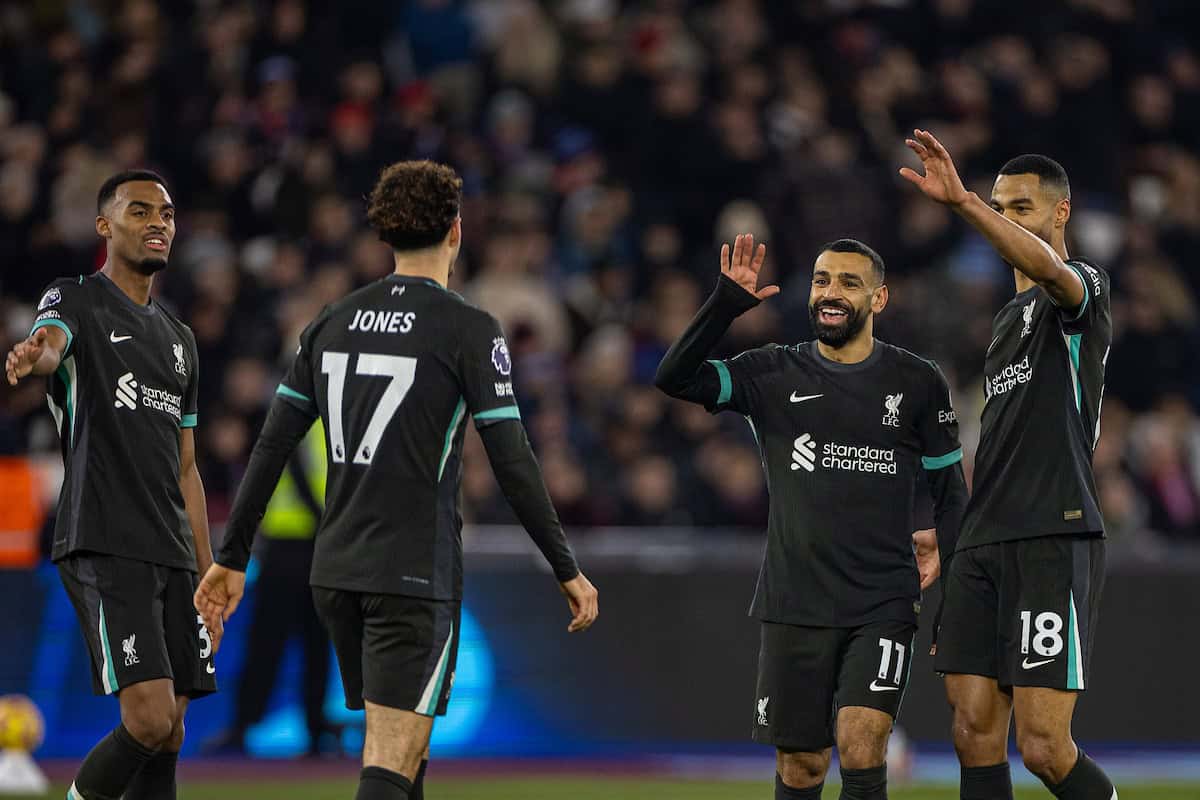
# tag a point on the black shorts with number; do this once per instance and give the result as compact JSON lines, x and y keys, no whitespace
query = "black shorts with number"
{"x":139,"y":623}
{"x":806,"y":674}
{"x":1023,"y":612}
{"x":393,"y":650}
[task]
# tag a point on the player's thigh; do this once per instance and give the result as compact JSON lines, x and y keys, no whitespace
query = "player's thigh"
{"x":341,"y":616}
{"x":410,"y":650}
{"x":119,"y":603}
{"x":189,"y":646}
{"x":797,"y":683}
{"x":396,"y":739}
{"x":968,"y":639}
{"x":1043,"y":714}
{"x":872,"y":677}
{"x":981,"y":714}
{"x":1049,"y":601}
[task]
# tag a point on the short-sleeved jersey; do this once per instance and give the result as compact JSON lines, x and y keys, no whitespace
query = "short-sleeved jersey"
{"x":842,"y":446}
{"x":394,"y":370}
{"x":125,"y":387}
{"x":1044,"y":384}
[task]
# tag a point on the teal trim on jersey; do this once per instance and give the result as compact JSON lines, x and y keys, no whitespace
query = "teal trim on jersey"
{"x":55,"y":323}
{"x":455,"y":419}
{"x":941,"y":462}
{"x":1074,"y":657}
{"x":431,"y":703}
{"x":108,"y":673}
{"x":188,"y":421}
{"x":288,"y":391}
{"x":66,"y":373}
{"x":1086,"y":292}
{"x":73,"y":793}
{"x":508,"y":412}
{"x":726,"y":381}
{"x":1074,"y":340}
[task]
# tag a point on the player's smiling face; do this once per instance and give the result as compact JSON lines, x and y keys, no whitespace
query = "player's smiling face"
{"x":845,"y":293}
{"x":139,"y":223}
{"x":1022,"y":199}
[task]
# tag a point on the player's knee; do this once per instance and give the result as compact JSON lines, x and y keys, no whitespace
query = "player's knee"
{"x":866,"y":753}
{"x":1045,"y":755}
{"x":174,"y":742}
{"x":801,"y":770}
{"x":150,"y":725}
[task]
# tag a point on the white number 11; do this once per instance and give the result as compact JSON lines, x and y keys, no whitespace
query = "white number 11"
{"x":401,"y":369}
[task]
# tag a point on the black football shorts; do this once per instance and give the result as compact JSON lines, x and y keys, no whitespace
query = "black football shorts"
{"x":1023,"y":612}
{"x":806,"y":674}
{"x":139,"y":623}
{"x":393,"y":650}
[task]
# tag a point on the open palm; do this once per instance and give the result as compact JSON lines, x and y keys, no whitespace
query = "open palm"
{"x":940,"y":181}
{"x":745,"y":265}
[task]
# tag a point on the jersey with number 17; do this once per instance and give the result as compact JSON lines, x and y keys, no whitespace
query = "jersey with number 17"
{"x":393,"y":370}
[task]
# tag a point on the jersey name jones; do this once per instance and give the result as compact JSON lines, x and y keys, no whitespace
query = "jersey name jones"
{"x":383,"y":321}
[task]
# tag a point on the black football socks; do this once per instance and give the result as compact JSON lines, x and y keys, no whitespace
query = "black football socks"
{"x":864,"y":784}
{"x":377,"y":783}
{"x":418,"y":790}
{"x":110,"y":767}
{"x":785,"y":792}
{"x":1085,"y":781}
{"x":986,"y":783}
{"x":156,"y":781}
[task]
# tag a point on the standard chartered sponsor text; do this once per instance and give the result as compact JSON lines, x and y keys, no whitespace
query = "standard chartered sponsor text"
{"x":161,"y":400}
{"x":1008,"y":378}
{"x":855,"y":458}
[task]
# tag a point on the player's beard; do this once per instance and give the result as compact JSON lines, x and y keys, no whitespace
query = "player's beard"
{"x":149,"y":266}
{"x":836,"y":335}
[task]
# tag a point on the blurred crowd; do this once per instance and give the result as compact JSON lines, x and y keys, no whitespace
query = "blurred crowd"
{"x":607,"y":149}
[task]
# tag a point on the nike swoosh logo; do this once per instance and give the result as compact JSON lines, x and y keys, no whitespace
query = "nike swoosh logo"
{"x":112,"y":337}
{"x":875,"y":687}
{"x":797,"y":399}
{"x":1025,"y":664}
{"x":211,"y":669}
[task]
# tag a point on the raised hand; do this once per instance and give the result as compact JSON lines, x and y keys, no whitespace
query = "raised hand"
{"x":940,"y":181}
{"x":744,"y":267}
{"x":24,"y":356}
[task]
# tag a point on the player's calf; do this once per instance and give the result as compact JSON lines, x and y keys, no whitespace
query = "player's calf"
{"x":156,"y":780}
{"x":800,"y":775}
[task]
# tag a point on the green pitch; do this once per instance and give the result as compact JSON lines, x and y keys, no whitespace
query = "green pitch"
{"x":602,"y":789}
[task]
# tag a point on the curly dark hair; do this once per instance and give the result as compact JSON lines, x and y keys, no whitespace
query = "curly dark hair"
{"x":414,"y":203}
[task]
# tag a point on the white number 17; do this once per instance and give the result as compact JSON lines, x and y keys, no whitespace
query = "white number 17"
{"x":402,"y":371}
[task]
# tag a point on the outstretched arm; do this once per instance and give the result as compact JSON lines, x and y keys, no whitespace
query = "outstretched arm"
{"x":40,"y":354}
{"x":1023,"y":250}
{"x":682,"y":372}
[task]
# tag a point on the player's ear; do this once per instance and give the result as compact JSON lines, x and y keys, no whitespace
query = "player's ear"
{"x":103,"y":228}
{"x":1062,"y":212}
{"x":880,"y":300}
{"x":454,"y":235}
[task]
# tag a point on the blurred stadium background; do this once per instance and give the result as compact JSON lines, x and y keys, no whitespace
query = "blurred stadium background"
{"x":607,"y":149}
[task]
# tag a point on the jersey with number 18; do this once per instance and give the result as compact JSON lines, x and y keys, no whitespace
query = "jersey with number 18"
{"x":394,"y":370}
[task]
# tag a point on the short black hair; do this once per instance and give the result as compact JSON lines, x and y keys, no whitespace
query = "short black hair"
{"x":1047,"y":169}
{"x":855,"y":246}
{"x":109,"y":188}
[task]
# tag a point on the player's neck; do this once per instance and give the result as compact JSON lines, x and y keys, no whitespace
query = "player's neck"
{"x":134,"y":284}
{"x":431,"y":265}
{"x":852,"y":352}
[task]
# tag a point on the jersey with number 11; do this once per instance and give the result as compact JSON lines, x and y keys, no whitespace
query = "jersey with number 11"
{"x":394,"y":370}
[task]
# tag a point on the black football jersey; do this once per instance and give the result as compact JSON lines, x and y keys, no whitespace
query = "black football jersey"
{"x":394,"y":370}
{"x":125,"y":387}
{"x":842,"y":446}
{"x":1044,"y":385}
